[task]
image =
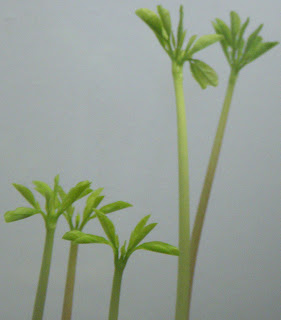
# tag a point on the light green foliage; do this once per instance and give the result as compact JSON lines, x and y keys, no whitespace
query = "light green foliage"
{"x":203,"y":73}
{"x":138,"y":234}
{"x":238,"y":51}
{"x":20,"y":213}
{"x":162,"y":27}
{"x":118,"y":205}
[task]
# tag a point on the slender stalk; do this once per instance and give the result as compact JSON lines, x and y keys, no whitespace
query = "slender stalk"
{"x":184,"y":229}
{"x":39,"y":303}
{"x":115,"y":293}
{"x":70,"y":281}
{"x":209,"y":178}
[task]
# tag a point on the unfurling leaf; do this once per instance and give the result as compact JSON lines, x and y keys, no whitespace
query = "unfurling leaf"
{"x":158,"y":246}
{"x":73,"y":235}
{"x":73,"y":195}
{"x":108,"y":227}
{"x":151,"y":19}
{"x":180,"y":28}
{"x":165,"y":18}
{"x":138,"y":228}
{"x":235,"y":26}
{"x":26,"y":193}
{"x":224,"y":30}
{"x":203,"y":73}
{"x":19,"y":214}
{"x":90,"y":238}
{"x":204,"y":42}
{"x":115,"y":206}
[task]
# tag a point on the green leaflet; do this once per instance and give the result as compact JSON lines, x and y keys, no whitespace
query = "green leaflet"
{"x":165,"y":18}
{"x":73,"y":195}
{"x":27,"y":194}
{"x":19,"y":214}
{"x":72,"y":235}
{"x":90,"y":238}
{"x":151,"y":19}
{"x":260,"y":50}
{"x":203,"y":74}
{"x":188,"y":46}
{"x":224,"y":30}
{"x":92,"y":202}
{"x":123,"y":250}
{"x":159,"y":246}
{"x":235,"y":26}
{"x":180,"y":28}
{"x":140,"y":236}
{"x":45,"y":190}
{"x":138,"y":228}
{"x":115,"y":206}
{"x":204,"y":42}
{"x":108,"y":227}
{"x":252,"y":37}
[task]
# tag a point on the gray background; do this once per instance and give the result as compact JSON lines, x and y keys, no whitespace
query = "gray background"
{"x":86,"y":92}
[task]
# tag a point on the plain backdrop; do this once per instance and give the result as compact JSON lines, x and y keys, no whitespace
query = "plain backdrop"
{"x":86,"y":91}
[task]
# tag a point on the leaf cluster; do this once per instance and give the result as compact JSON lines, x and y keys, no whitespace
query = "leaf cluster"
{"x":238,"y":50}
{"x":54,"y":205}
{"x":174,"y":45}
{"x":122,"y":254}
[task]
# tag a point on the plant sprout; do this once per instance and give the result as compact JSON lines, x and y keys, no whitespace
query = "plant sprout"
{"x":121,"y":255}
{"x":93,"y":201}
{"x":204,"y":75}
{"x":54,"y":208}
{"x":238,"y":53}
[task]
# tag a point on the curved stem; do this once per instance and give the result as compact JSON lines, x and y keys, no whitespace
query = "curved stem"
{"x":205,"y":194}
{"x":39,"y":303}
{"x":183,"y":280}
{"x":115,"y":293}
{"x":70,"y":281}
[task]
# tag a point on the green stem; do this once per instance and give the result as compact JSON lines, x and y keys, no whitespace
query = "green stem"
{"x":183,"y":280}
{"x":70,"y":281}
{"x":115,"y":293}
{"x":39,"y":303}
{"x":205,"y":194}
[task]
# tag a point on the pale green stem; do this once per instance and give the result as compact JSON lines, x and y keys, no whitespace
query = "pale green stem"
{"x":39,"y":303}
{"x":184,"y":229}
{"x":205,"y":194}
{"x":70,"y":281}
{"x":115,"y":293}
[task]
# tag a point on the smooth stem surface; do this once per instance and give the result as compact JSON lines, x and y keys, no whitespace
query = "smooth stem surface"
{"x":182,"y":312}
{"x":39,"y":303}
{"x":205,"y":194}
{"x":115,"y":293}
{"x":70,"y":281}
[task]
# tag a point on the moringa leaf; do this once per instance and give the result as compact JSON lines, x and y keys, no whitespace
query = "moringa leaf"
{"x":151,"y":19}
{"x":203,"y":73}
{"x":180,"y":28}
{"x":115,"y":206}
{"x":108,"y":227}
{"x":165,"y":18}
{"x":138,"y":228}
{"x":224,"y":30}
{"x":141,"y":235}
{"x":90,"y":238}
{"x":235,"y":26}
{"x":204,"y":42}
{"x":159,"y":246}
{"x":73,"y":235}
{"x":27,"y":194}
{"x":20,"y":213}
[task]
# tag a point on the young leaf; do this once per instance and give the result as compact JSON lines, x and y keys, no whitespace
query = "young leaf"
{"x":123,"y":249}
{"x":158,"y":246}
{"x":73,"y":235}
{"x":204,"y":42}
{"x":235,"y":26}
{"x":165,"y":18}
{"x":73,"y":195}
{"x":224,"y":30}
{"x":108,"y":227}
{"x":77,"y":220}
{"x":27,"y":194}
{"x":180,"y":28}
{"x":141,"y":235}
{"x":115,"y":206}
{"x":242,"y":30}
{"x":89,"y":208}
{"x":19,"y":213}
{"x":252,"y":38}
{"x":90,"y":238}
{"x":261,"y":49}
{"x":138,"y":228}
{"x":47,"y":192}
{"x":151,"y":19}
{"x":203,"y":74}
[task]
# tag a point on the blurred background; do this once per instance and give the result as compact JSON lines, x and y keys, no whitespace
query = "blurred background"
{"x":86,"y":91}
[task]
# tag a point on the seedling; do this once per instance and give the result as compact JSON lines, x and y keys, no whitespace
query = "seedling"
{"x":77,"y":224}
{"x":121,"y":255}
{"x":238,"y":52}
{"x":204,"y":75}
{"x":54,"y":208}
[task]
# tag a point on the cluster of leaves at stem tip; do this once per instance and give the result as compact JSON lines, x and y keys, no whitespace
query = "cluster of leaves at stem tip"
{"x":238,"y":51}
{"x":174,"y":46}
{"x":122,"y":254}
{"x":58,"y":202}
